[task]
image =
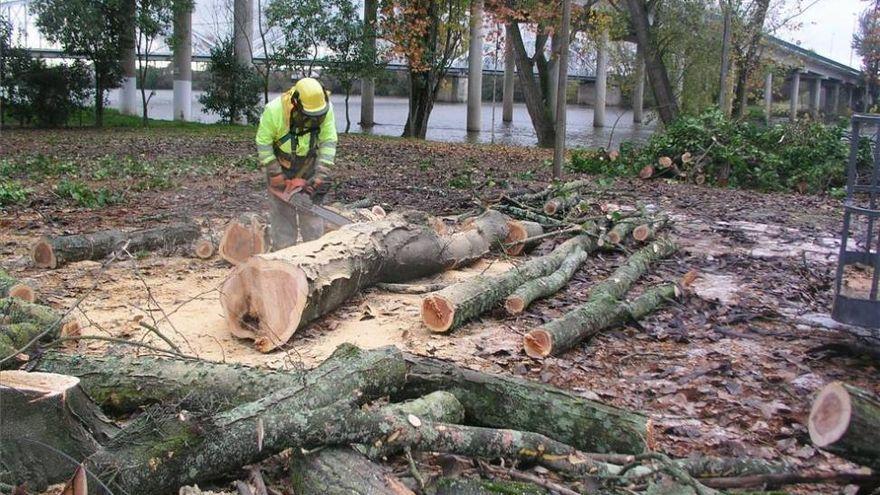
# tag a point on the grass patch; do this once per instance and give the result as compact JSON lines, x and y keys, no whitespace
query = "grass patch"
{"x":85,"y":195}
{"x":13,"y":193}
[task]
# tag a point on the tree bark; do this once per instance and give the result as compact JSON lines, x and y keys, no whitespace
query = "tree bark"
{"x":449,"y":308}
{"x":537,"y":103}
{"x":667,"y":107}
{"x":845,"y":420}
{"x":184,"y":449}
{"x":545,"y":286}
{"x":52,"y":252}
{"x":468,"y":486}
{"x":559,"y":190}
{"x":12,"y":287}
{"x":342,"y":471}
{"x":603,"y":308}
{"x":271,"y":295}
{"x":500,"y":401}
{"x":46,"y":418}
{"x":246,"y":236}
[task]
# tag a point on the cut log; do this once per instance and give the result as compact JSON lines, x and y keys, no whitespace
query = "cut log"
{"x":447,"y":309}
{"x":602,"y":308}
{"x":47,"y":426}
{"x":22,"y":322}
{"x":556,"y":189}
{"x":593,"y":317}
{"x":501,"y":401}
{"x":246,"y":236}
{"x":12,"y":287}
{"x":204,"y":248}
{"x":540,"y":287}
{"x":272,"y":295}
{"x":620,"y":231}
{"x":519,"y":231}
{"x":664,"y":162}
{"x":342,"y":471}
{"x":647,"y":231}
{"x":183,"y":449}
{"x":646,"y":172}
{"x":561,"y":204}
{"x":845,"y":420}
{"x":52,"y":252}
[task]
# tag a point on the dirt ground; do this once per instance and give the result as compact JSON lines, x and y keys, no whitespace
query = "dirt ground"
{"x":731,"y":370}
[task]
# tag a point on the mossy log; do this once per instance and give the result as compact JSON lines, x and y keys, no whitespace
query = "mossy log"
{"x":52,"y":252}
{"x":521,"y":232}
{"x":12,"y":287}
{"x":523,"y":214}
{"x":540,"y":287}
{"x":602,"y":308}
{"x":845,"y":420}
{"x":596,"y":315}
{"x":445,"y":310}
{"x":469,"y":486}
{"x":272,"y":295}
{"x":620,"y":231}
{"x":561,"y":204}
{"x":186,"y":449}
{"x":22,"y":322}
{"x":501,"y":401}
{"x":243,"y":237}
{"x":45,"y":422}
{"x":556,"y":189}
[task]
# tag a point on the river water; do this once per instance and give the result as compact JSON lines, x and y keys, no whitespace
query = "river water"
{"x":448,"y":120}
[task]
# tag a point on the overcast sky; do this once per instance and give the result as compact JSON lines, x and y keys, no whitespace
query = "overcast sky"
{"x":827,"y":28}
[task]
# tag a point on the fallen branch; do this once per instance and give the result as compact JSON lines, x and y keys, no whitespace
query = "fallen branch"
{"x":537,"y":288}
{"x":52,"y":252}
{"x":764,"y":481}
{"x":416,"y":289}
{"x":647,"y":231}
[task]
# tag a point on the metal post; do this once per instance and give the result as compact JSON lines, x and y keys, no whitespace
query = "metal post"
{"x":559,"y":151}
{"x":639,"y":87}
{"x":508,"y":88}
{"x":183,"y":64}
{"x":475,"y":68}
{"x":601,"y":80}
{"x":795,"y":94}
{"x":768,"y":96}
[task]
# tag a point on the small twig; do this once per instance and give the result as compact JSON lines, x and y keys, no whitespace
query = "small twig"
{"x":568,"y":230}
{"x":670,"y":468}
{"x":413,"y":469}
{"x":257,"y":480}
{"x":122,"y":341}
{"x":519,"y":475}
{"x":775,"y":480}
{"x":159,"y":334}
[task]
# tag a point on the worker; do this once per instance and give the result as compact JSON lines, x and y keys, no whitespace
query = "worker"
{"x":296,"y":143}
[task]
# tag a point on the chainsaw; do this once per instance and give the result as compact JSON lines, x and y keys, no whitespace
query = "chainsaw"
{"x":299,"y":199}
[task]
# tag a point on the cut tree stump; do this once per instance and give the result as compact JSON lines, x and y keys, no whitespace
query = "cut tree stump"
{"x":244,"y":237}
{"x":12,"y":287}
{"x":519,"y":231}
{"x":272,"y":295}
{"x":501,"y":401}
{"x":47,"y":426}
{"x":540,"y":287}
{"x":447,"y":309}
{"x":845,"y":420}
{"x":52,"y":252}
{"x":602,"y":308}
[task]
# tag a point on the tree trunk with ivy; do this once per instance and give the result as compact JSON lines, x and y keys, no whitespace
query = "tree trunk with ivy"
{"x":667,"y":107}
{"x":534,"y":92}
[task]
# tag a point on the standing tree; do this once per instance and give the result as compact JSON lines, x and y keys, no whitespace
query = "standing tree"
{"x":866,"y":42}
{"x":233,"y":92}
{"x":748,"y":46}
{"x":428,"y":35}
{"x":352,"y":59}
{"x":304,"y":27}
{"x":152,"y":19}
{"x":93,"y":29}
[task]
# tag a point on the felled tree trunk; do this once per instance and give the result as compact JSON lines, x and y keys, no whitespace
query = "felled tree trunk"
{"x":501,"y":401}
{"x":540,"y":287}
{"x":22,"y":322}
{"x":272,"y":295}
{"x":520,"y":231}
{"x":845,"y":420}
{"x":46,"y":418}
{"x":447,"y":309}
{"x":246,"y":236}
{"x":186,"y":449}
{"x":52,"y":252}
{"x":602,"y":309}
{"x":12,"y":287}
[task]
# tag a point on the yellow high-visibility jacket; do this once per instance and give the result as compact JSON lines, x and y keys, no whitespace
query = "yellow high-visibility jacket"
{"x":275,"y":136}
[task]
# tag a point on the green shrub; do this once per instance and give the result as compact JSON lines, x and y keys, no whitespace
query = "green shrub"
{"x":600,"y":162}
{"x":234,"y":90}
{"x":13,"y":193}
{"x":85,"y":195}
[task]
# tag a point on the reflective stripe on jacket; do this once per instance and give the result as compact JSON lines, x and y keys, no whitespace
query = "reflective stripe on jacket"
{"x":275,"y":125}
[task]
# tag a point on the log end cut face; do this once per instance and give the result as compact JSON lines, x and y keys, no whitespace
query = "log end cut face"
{"x":264,"y":300}
{"x":43,"y":254}
{"x":538,"y":343}
{"x":514,"y":305}
{"x":437,"y":313}
{"x":240,"y":242}
{"x":203,"y":249}
{"x":23,"y":292}
{"x":37,"y":384}
{"x":516,"y":234}
{"x":830,"y":415}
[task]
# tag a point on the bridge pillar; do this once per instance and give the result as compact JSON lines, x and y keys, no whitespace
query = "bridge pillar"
{"x":507,"y":90}
{"x":475,"y":68}
{"x":794,"y":94}
{"x":835,"y":98}
{"x":815,"y":97}
{"x":368,"y":86}
{"x":243,"y":30}
{"x":601,"y":80}
{"x":768,"y":96}
{"x":128,"y":103}
{"x":182,"y":60}
{"x":638,"y":102}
